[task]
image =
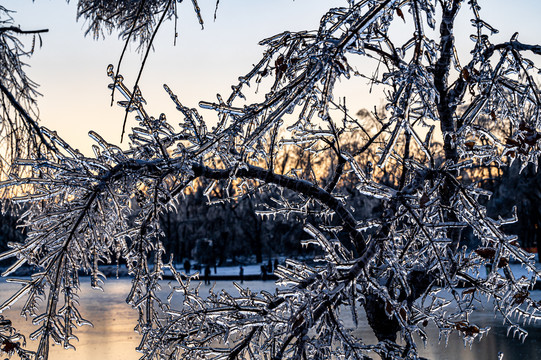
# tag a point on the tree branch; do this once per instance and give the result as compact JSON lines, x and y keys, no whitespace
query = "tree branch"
{"x":19,"y":31}
{"x":300,"y":186}
{"x":457,"y":91}
{"x":27,"y":118}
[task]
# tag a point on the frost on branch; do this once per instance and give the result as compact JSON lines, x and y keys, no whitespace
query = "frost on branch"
{"x":19,"y":131}
{"x":445,"y":119}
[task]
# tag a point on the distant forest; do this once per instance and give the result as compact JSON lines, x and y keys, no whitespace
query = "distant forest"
{"x":239,"y":232}
{"x":233,"y":230}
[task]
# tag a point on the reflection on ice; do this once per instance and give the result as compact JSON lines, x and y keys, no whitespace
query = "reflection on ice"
{"x":112,"y":336}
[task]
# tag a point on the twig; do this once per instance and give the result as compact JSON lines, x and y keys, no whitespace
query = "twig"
{"x":33,"y":123}
{"x":124,"y":49}
{"x":19,"y":31}
{"x":142,"y":67}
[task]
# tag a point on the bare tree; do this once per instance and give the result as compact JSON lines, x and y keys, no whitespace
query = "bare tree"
{"x":403,"y":270}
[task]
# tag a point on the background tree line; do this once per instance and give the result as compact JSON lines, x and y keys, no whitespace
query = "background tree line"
{"x":213,"y":232}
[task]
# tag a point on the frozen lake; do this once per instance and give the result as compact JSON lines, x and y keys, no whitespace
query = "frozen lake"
{"x":112,"y":336}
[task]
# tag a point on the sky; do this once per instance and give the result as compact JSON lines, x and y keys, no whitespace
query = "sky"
{"x":71,"y":68}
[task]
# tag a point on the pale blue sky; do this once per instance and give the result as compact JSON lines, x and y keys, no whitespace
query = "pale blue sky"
{"x":71,"y":69}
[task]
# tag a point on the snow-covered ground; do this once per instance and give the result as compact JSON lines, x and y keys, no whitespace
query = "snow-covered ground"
{"x":252,"y":270}
{"x":255,"y":270}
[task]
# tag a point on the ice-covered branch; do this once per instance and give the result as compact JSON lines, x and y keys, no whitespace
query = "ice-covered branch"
{"x":397,"y":241}
{"x":301,"y":186}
